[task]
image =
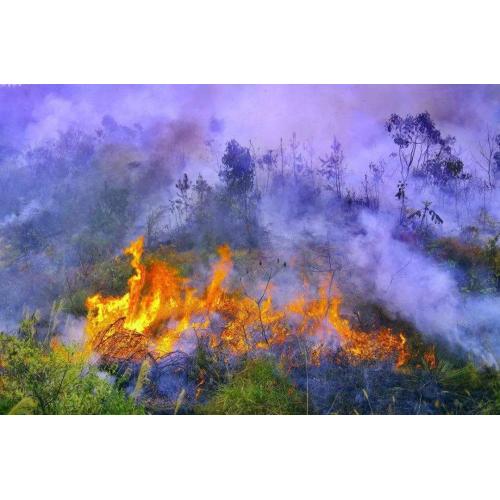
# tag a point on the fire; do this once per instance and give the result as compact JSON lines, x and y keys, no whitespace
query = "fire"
{"x":161,"y":307}
{"x":126,"y":326}
{"x":430,"y":358}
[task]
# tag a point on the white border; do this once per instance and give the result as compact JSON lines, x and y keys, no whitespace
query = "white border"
{"x":258,"y":41}
{"x":228,"y":41}
{"x":249,"y":457}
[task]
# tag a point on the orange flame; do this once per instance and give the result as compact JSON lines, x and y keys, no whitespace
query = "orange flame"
{"x":430,"y":358}
{"x":161,"y":307}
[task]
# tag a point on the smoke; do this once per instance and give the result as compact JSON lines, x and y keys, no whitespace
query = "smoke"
{"x":78,"y":196}
{"x":81,"y":164}
{"x":72,"y":331}
{"x":415,"y":287}
{"x":372,"y":263}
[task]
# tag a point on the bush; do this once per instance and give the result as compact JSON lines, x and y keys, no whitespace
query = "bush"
{"x":260,"y":388}
{"x":54,"y":380}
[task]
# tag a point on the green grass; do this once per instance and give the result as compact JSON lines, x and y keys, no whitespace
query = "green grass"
{"x":260,"y":388}
{"x":470,"y":390}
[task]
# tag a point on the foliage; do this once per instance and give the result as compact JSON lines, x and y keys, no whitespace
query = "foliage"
{"x":54,"y":380}
{"x":108,"y":276}
{"x":416,"y":137}
{"x":27,"y":406}
{"x":260,"y":388}
{"x":110,"y":215}
{"x":423,"y":215}
{"x":470,"y":390}
{"x":496,"y":155}
{"x":238,"y":169}
{"x":492,"y":256}
{"x":444,"y":170}
{"x":481,"y":264}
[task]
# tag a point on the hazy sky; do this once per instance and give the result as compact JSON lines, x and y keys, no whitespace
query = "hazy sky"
{"x":263,"y":113}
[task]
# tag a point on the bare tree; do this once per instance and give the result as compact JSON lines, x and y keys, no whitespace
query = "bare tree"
{"x":294,"y":145}
{"x":487,"y":161}
{"x":332,"y":168}
{"x":183,"y":186}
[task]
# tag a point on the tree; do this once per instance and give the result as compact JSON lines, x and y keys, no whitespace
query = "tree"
{"x":202,"y":189}
{"x":238,"y":174}
{"x":490,"y":158}
{"x":183,"y":186}
{"x":238,"y":169}
{"x":424,"y":152}
{"x":332,"y":168}
{"x":268,"y":162}
{"x":294,"y":146}
{"x":444,"y":171}
{"x":377,"y":171}
{"x":203,"y":206}
{"x":415,"y":137}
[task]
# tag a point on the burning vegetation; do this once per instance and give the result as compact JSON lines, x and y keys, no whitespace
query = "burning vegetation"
{"x":161,"y":308}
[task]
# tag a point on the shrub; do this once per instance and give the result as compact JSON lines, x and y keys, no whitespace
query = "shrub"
{"x":54,"y":380}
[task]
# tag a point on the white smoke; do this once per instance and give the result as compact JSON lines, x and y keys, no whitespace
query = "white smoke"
{"x":422,"y":291}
